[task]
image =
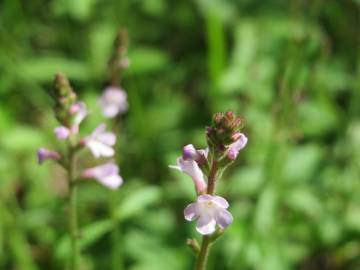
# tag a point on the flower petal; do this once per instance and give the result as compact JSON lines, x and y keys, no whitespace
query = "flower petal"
{"x":112,"y":181}
{"x":206,"y":225}
{"x":190,"y":212}
{"x":100,"y":129}
{"x":224,"y":218}
{"x":110,"y":111}
{"x":99,"y":149}
{"x":108,"y":138}
{"x":191,"y":168}
{"x":221,"y":201}
{"x":175,"y":167}
{"x":62,"y":133}
{"x":189,"y":152}
{"x":204,"y":198}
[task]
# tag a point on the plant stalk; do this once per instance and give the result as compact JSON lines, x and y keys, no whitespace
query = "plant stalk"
{"x":204,"y":253}
{"x":207,"y":241}
{"x":73,"y":216}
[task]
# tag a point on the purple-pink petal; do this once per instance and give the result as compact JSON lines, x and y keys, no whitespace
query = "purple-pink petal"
{"x":189,"y":152}
{"x":44,"y":154}
{"x":221,"y":201}
{"x":62,"y":133}
{"x":206,"y":225}
{"x":204,"y":198}
{"x":224,"y":218}
{"x":190,"y":212}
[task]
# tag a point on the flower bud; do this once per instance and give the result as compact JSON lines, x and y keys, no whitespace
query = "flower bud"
{"x":189,"y":152}
{"x":44,"y":154}
{"x":234,"y":148}
{"x":224,"y":130}
{"x":64,"y":97}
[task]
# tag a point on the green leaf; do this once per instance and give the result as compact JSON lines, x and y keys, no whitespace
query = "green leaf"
{"x":89,"y":235}
{"x":42,"y":69}
{"x":146,"y":59}
{"x":137,"y":201}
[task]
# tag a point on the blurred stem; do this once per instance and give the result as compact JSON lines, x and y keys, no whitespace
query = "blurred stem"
{"x":207,"y":240}
{"x":204,"y":253}
{"x":212,"y":178}
{"x":116,"y":236}
{"x":116,"y":239}
{"x":73,"y":218}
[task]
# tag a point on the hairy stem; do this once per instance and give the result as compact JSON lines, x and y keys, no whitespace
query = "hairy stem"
{"x":206,"y":242}
{"x":73,"y":219}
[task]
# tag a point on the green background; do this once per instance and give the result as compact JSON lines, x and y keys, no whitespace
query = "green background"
{"x":291,"y":68}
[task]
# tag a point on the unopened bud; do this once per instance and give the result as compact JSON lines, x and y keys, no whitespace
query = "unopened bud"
{"x":44,"y":154}
{"x":189,"y":152}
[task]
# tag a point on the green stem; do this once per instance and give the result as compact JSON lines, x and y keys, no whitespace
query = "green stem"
{"x":116,"y":237}
{"x":212,"y":178}
{"x":207,"y":241}
{"x":204,"y":253}
{"x":73,"y":218}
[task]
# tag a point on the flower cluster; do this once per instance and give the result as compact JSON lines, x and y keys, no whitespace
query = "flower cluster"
{"x":225,"y":141}
{"x":70,"y":113}
{"x":114,"y":99}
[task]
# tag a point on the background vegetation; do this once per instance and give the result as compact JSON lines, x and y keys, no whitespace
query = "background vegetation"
{"x":291,"y":68}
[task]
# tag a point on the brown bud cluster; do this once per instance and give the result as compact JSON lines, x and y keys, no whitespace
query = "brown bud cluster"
{"x":64,"y":97}
{"x":224,"y":130}
{"x":119,"y":61}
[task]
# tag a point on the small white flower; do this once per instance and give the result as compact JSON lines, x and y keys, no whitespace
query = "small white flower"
{"x":209,"y":210}
{"x":191,"y":168}
{"x":100,"y":142}
{"x":106,"y":174}
{"x":113,"y":101}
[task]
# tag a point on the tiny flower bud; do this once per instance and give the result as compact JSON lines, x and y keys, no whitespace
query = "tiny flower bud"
{"x":44,"y":154}
{"x":64,"y":97}
{"x":189,"y":152}
{"x":235,"y":147}
{"x":62,"y":133}
{"x":79,"y":111}
{"x":224,"y":131}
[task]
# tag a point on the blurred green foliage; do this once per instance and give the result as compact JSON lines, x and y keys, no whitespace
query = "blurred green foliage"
{"x":290,"y":67}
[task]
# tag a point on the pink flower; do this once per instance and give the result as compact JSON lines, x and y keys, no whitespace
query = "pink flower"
{"x":235,"y":147}
{"x":106,"y":174}
{"x":44,"y":154}
{"x":100,"y":142}
{"x":113,"y":101}
{"x":79,"y":112}
{"x":62,"y":133}
{"x":209,"y":210}
{"x":189,"y":152}
{"x":191,"y":168}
